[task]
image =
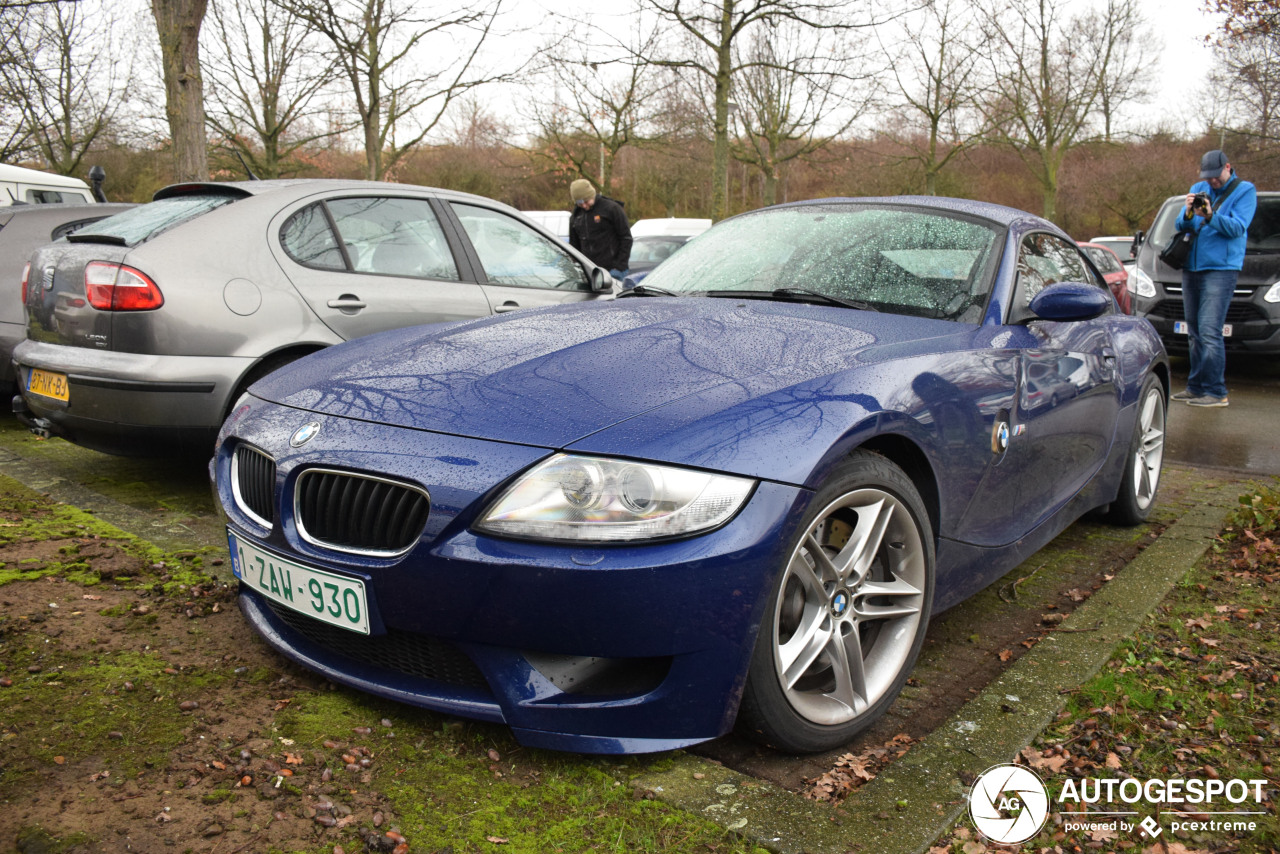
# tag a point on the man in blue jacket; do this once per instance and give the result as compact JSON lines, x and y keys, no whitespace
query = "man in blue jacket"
{"x":1218,"y":211}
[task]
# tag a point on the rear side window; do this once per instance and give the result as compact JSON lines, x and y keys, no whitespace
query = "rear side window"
{"x":309,"y":240}
{"x":381,"y":235}
{"x":54,"y":197}
{"x":146,"y":221}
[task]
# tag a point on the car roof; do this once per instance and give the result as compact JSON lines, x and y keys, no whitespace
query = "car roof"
{"x":999,"y":214}
{"x":21,"y":174}
{"x":61,"y":212}
{"x":304,"y":186}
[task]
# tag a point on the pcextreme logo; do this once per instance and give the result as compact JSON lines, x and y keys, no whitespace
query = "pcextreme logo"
{"x":1008,"y":804}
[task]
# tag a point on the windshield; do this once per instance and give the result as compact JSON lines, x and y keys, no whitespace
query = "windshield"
{"x":1264,"y":231}
{"x":145,"y":221}
{"x":897,"y":259}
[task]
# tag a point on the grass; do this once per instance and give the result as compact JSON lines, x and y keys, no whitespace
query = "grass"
{"x":111,"y":705}
{"x":1195,"y":694}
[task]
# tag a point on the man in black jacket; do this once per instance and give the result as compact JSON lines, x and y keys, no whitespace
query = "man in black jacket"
{"x":598,"y":228}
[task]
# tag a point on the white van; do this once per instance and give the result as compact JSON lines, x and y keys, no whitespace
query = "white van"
{"x":556,"y":222}
{"x":19,"y":185}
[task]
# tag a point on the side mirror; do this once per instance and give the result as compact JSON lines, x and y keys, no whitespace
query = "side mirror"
{"x":601,"y":281}
{"x":1138,"y":237}
{"x":1069,"y":301}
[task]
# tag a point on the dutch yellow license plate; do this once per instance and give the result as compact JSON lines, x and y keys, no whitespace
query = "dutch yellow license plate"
{"x":48,"y":384}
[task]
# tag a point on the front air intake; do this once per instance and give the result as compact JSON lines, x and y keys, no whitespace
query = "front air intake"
{"x":359,"y":513}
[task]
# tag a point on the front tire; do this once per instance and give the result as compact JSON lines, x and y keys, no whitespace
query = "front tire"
{"x":1141,"y":478}
{"x":847,"y":615}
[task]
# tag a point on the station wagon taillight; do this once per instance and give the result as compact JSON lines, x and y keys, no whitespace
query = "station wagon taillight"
{"x":116,"y":287}
{"x":26,"y":276}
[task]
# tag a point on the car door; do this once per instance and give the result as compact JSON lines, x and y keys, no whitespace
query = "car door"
{"x":1062,"y":423}
{"x":518,"y":266}
{"x":366,"y":263}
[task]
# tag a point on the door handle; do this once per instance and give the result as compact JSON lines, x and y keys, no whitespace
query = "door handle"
{"x":347,"y":303}
{"x":509,"y":305}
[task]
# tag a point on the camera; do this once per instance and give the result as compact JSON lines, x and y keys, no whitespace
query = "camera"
{"x":1201,"y":200}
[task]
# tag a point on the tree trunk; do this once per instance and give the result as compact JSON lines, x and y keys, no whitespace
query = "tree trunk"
{"x":720,"y":147}
{"x":178,"y":24}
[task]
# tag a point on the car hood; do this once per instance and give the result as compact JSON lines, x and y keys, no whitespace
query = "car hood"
{"x":552,"y":377}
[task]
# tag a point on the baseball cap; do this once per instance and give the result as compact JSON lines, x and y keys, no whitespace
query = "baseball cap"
{"x":1212,"y":163}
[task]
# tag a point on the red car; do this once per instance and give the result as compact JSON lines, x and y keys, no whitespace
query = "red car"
{"x":1108,"y":264}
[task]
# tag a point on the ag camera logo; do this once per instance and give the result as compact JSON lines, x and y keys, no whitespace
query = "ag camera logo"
{"x":1008,"y":804}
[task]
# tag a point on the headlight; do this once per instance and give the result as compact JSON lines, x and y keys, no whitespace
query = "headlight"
{"x":1273,"y":295}
{"x":605,"y":500}
{"x":1140,"y":283}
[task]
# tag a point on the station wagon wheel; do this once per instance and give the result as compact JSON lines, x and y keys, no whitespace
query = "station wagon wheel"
{"x":848,"y":613}
{"x":1141,"y":477}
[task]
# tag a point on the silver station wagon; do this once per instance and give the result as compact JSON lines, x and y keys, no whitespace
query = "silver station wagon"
{"x":144,"y":329}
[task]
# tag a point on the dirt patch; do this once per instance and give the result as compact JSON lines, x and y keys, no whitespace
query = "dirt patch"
{"x":180,"y":753}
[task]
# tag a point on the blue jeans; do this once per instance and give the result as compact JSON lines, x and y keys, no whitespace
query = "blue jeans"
{"x":1205,"y":297}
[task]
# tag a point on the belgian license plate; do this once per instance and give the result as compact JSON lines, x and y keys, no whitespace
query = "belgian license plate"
{"x":48,"y":384}
{"x":334,"y":599}
{"x":1180,"y":327}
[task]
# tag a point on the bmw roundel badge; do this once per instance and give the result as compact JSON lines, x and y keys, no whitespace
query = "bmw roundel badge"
{"x":304,"y":434}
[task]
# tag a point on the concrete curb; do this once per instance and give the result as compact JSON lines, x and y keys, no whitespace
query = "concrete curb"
{"x":920,"y":796}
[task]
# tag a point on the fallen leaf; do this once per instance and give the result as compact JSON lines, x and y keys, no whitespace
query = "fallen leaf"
{"x":496,"y":840}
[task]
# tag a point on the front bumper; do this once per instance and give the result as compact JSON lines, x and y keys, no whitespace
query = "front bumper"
{"x":500,"y":630}
{"x":1254,"y":322}
{"x":126,"y":403}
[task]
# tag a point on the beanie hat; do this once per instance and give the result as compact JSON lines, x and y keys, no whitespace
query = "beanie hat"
{"x":581,"y":190}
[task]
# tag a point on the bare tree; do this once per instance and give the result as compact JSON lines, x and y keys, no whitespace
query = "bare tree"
{"x":65,"y":79}
{"x":1121,"y":35}
{"x":792,"y":97}
{"x":382,"y":50}
{"x":1045,"y":87}
{"x":178,"y":24}
{"x":1248,"y":66}
{"x":268,"y":70}
{"x":601,"y":105}
{"x":936,"y":70}
{"x":711,"y":29}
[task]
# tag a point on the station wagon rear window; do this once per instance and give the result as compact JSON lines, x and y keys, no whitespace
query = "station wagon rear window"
{"x":146,"y":221}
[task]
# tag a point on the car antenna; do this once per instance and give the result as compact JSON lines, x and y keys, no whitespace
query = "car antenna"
{"x":247,"y":170}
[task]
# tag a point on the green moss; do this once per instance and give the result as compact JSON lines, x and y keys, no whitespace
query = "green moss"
{"x":80,"y":707}
{"x":39,"y":839}
{"x":445,"y":788}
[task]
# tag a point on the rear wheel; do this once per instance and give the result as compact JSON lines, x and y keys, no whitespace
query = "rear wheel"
{"x":848,"y":613}
{"x":1146,"y":453}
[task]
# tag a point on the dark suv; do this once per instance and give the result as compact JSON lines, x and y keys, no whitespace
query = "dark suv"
{"x":1253,"y":318}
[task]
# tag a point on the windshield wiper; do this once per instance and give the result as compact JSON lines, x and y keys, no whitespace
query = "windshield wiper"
{"x":647,"y":291}
{"x":796,"y":294}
